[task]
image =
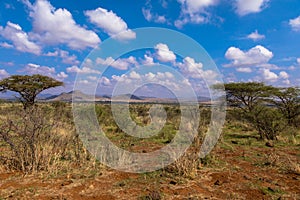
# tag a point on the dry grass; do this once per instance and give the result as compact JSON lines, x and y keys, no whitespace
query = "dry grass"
{"x":240,"y":167}
{"x":293,"y":166}
{"x":189,"y":163}
{"x":38,"y":140}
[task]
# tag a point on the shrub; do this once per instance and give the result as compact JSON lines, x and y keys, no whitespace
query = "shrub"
{"x":36,"y":140}
{"x":189,"y":163}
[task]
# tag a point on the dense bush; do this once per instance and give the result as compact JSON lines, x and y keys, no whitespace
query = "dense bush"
{"x":269,"y":122}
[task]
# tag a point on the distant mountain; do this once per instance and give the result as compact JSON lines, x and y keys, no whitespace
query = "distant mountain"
{"x":80,"y":96}
{"x":69,"y":96}
{"x":203,"y":99}
{"x":106,"y":96}
{"x":127,"y":96}
{"x":8,"y":95}
{"x":147,"y":97}
{"x":45,"y":96}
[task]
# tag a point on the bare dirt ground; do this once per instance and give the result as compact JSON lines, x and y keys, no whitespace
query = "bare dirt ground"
{"x":232,"y":171}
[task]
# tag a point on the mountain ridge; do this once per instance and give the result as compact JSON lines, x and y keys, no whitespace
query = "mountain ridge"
{"x":68,"y":96}
{"x":81,"y":96}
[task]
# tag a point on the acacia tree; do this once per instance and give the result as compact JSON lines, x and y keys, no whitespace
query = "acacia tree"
{"x":28,"y":87}
{"x":250,"y":98}
{"x":288,"y":102}
{"x":247,"y":96}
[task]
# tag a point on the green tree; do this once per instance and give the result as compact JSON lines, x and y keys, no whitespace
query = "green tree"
{"x":251,"y":98}
{"x":28,"y":87}
{"x":288,"y":102}
{"x":247,"y":96}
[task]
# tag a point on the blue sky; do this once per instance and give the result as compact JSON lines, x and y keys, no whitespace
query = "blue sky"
{"x":249,"y":40}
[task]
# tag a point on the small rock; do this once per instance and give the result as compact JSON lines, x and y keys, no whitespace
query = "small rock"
{"x":269,"y":144}
{"x":155,"y":195}
{"x":67,"y":182}
{"x":173,"y":182}
{"x":271,"y":189}
{"x":268,"y":180}
{"x":91,"y":187}
{"x":122,"y":184}
{"x":217,"y":182}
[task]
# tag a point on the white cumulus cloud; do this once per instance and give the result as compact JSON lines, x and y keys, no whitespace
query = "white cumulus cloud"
{"x":134,"y":75}
{"x":164,"y":54}
{"x":32,"y":68}
{"x":57,"y":26}
{"x":105,"y":81}
{"x":194,"y":11}
{"x":109,"y":22}
{"x":6,"y":45}
{"x":244,"y":7}
{"x":244,"y":69}
{"x":148,"y":60}
{"x":83,"y":70}
{"x":255,"y":36}
{"x":121,"y":63}
{"x":256,"y":56}
{"x":149,"y":16}
{"x":65,"y":56}
{"x":3,"y":73}
{"x":191,"y":18}
{"x":62,"y":75}
{"x":284,"y":75}
{"x":269,"y":75}
{"x":194,"y":6}
{"x":166,"y":79}
{"x":190,"y":68}
{"x":19,"y":38}
{"x":295,"y":23}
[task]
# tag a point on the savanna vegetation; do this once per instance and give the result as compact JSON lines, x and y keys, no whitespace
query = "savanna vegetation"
{"x":257,"y":156}
{"x":28,"y":87}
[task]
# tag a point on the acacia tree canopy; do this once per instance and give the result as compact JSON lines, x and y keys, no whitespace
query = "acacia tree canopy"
{"x":246,"y":95}
{"x":251,"y":98}
{"x":28,"y":86}
{"x":288,"y":101}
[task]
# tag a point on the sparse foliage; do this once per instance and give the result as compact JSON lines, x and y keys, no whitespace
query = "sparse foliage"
{"x":37,"y":139}
{"x":288,"y":102}
{"x":28,"y":87}
{"x":253,"y":99}
{"x":246,"y":95}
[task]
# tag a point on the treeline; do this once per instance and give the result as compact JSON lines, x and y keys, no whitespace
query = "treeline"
{"x":270,"y":110}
